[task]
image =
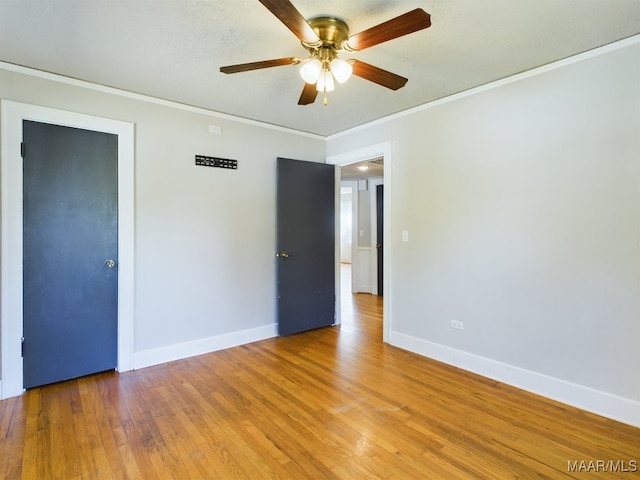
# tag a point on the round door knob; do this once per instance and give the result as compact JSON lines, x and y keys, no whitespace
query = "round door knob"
{"x":282,"y":254}
{"x":110,"y":263}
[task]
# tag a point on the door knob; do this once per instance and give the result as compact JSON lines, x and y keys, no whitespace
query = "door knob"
{"x":110,"y":263}
{"x":282,"y":254}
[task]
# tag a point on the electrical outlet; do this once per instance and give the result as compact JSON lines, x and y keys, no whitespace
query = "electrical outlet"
{"x":457,"y":324}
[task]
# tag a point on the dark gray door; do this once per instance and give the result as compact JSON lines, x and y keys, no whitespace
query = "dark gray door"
{"x":70,"y":252}
{"x":306,"y":246}
{"x":379,"y":234}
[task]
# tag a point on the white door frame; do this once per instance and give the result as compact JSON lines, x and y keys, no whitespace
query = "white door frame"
{"x":11,"y":275}
{"x":383,"y":150}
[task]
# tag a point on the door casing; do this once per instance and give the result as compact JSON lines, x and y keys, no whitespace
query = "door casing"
{"x":385,"y":151}
{"x":11,"y":294}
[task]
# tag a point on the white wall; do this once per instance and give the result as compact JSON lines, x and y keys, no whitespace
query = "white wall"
{"x":522,"y":201}
{"x":204,"y":237}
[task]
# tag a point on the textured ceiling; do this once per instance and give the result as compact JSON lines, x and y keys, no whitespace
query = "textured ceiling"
{"x":172,"y":49}
{"x":374,"y":168}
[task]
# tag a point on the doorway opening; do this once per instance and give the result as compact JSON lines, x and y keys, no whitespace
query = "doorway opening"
{"x":359,"y":221}
{"x":364,"y":258}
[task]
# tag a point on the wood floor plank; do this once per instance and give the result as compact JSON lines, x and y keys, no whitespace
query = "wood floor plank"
{"x":333,"y":403}
{"x":12,"y":421}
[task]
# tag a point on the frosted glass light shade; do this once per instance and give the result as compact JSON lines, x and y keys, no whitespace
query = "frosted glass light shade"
{"x":325,"y":82}
{"x":341,"y":70}
{"x":310,"y":71}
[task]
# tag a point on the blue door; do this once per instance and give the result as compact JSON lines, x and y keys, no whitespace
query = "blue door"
{"x":306,"y":246}
{"x":380,"y":234}
{"x":70,"y":251}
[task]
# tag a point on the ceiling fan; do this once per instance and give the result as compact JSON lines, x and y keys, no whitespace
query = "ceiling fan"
{"x":324,"y":37}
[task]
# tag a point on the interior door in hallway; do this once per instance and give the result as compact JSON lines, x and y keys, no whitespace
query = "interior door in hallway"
{"x":380,"y":235}
{"x":70,"y":250}
{"x":306,"y":245}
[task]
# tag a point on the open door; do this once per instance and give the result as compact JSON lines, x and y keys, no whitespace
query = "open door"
{"x":306,"y":246}
{"x":380,"y":235}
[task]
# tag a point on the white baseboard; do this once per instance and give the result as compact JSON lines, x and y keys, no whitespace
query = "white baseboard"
{"x":602,"y":403}
{"x":169,"y":353}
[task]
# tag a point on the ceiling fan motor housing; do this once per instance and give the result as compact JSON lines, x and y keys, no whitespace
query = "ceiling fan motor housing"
{"x":332,"y":32}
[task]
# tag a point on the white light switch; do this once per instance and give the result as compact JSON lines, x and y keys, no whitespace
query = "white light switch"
{"x":215,"y":129}
{"x":362,"y":233}
{"x":405,"y":235}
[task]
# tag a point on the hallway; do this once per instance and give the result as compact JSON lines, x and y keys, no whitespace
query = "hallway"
{"x":361,"y":312}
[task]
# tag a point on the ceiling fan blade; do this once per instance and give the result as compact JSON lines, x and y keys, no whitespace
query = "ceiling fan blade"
{"x":309,"y":94}
{"x":407,"y":23}
{"x":292,"y":19}
{"x":245,"y":67}
{"x":378,"y":75}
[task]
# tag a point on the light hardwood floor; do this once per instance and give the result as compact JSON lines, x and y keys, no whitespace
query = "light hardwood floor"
{"x":330,"y":403}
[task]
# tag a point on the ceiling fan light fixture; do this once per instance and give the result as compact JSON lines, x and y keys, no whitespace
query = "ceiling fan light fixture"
{"x":324,"y":37}
{"x":325,"y":82}
{"x":310,"y":71}
{"x":341,"y":69}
